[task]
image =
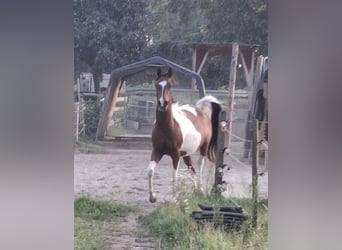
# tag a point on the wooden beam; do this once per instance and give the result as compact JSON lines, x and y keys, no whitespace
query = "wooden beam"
{"x":194,"y":59}
{"x":257,"y":77}
{"x":108,"y":108}
{"x":253,"y":63}
{"x":201,"y":60}
{"x":100,"y":132}
{"x":252,"y":72}
{"x":112,"y":105}
{"x":198,"y":59}
{"x":248,"y":76}
{"x":245,"y":69}
{"x":193,"y":86}
{"x":231,"y":93}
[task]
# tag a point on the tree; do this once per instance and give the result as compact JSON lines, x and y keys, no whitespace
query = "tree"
{"x":108,"y":34}
{"x":172,"y":24}
{"x":237,"y":20}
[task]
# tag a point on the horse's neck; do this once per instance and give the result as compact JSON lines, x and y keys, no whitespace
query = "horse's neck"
{"x":165,"y":119}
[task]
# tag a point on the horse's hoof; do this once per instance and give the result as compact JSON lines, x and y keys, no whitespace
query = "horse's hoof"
{"x":192,"y":169}
{"x":200,"y":190}
{"x":153,"y":198}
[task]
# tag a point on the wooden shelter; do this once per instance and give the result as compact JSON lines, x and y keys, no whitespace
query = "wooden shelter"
{"x":201,"y":51}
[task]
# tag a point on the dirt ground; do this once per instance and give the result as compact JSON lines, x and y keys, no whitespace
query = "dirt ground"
{"x":118,"y":172}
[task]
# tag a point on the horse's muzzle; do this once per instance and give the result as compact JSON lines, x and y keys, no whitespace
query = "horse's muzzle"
{"x":162,"y":107}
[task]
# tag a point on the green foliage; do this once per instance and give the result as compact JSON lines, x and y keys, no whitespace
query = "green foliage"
{"x":88,"y":208}
{"x":91,"y":117}
{"x":108,"y":34}
{"x":177,"y":230}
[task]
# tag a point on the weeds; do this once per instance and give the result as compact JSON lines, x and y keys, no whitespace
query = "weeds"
{"x":177,"y":230}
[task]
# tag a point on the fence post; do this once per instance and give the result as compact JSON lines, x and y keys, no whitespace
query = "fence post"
{"x":255,"y":165}
{"x":219,"y":153}
{"x":231,"y":92}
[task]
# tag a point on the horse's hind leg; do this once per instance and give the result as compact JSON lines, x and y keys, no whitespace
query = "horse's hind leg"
{"x":188,"y":162}
{"x":155,"y":158}
{"x":201,"y":162}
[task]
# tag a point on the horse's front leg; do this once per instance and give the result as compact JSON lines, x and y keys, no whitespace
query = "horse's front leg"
{"x":188,"y":162}
{"x":155,"y":158}
{"x":175,"y":163}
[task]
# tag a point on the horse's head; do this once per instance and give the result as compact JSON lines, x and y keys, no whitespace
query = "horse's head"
{"x":164,"y":93}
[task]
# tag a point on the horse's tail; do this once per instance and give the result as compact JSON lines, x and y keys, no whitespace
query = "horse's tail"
{"x":212,"y":107}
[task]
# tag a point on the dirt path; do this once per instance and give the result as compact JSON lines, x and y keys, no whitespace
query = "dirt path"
{"x":120,"y":175}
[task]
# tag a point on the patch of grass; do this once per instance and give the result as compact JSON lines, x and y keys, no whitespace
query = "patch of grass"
{"x":177,"y":230}
{"x":88,"y":208}
{"x":91,"y":225}
{"x":85,"y":144}
{"x":89,"y":234}
{"x":116,"y":131}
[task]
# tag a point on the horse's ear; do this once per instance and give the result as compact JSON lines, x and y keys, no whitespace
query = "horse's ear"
{"x":158,"y":72}
{"x":169,"y":73}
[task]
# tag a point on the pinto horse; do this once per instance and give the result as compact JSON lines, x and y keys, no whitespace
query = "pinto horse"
{"x":180,"y":131}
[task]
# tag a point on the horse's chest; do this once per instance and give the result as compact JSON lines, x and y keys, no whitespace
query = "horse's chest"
{"x":167,"y":139}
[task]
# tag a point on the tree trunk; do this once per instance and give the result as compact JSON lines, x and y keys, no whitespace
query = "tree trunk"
{"x":97,"y":80}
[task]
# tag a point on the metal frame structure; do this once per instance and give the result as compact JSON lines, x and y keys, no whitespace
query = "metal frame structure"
{"x":118,"y":76}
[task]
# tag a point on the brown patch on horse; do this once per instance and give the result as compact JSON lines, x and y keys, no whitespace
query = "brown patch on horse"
{"x":165,"y":140}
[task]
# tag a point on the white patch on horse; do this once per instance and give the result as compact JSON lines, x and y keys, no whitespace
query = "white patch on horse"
{"x":189,"y":108}
{"x":151,"y":167}
{"x":205,"y":104}
{"x":191,"y":137}
{"x":161,"y":99}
